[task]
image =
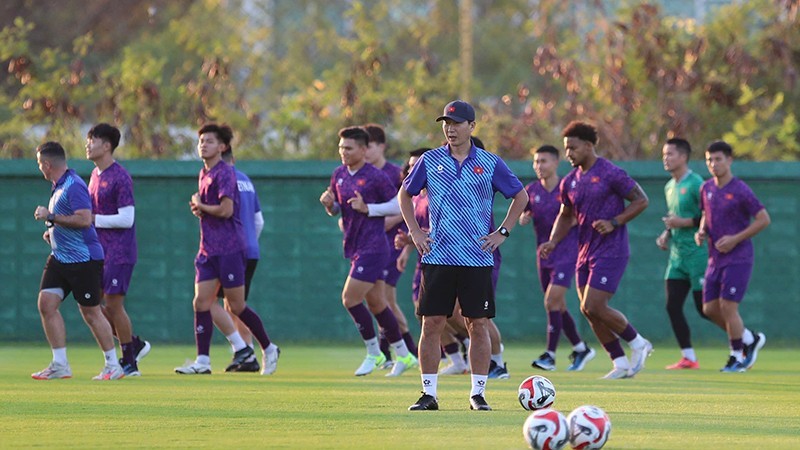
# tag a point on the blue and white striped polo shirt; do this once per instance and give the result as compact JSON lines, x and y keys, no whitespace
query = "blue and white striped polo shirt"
{"x":460,"y":202}
{"x":72,"y":245}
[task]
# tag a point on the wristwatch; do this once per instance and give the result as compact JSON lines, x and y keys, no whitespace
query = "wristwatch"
{"x":49,"y":221}
{"x":504,"y":231}
{"x":614,"y":223}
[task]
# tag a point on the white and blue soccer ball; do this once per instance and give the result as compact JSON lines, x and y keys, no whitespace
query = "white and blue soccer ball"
{"x":546,"y":429}
{"x":536,"y":392}
{"x":589,"y":427}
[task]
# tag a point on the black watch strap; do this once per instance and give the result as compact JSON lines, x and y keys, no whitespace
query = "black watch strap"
{"x":614,"y":223}
{"x":504,"y":231}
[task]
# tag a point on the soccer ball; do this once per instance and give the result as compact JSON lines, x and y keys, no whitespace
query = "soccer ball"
{"x":589,"y":427}
{"x":536,"y":392}
{"x":546,"y":429}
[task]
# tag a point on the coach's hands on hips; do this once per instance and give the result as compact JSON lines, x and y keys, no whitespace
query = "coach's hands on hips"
{"x":421,"y":241}
{"x":491,"y":241}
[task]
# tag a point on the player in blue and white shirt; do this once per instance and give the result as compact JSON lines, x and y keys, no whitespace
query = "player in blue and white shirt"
{"x":74,"y":265}
{"x":457,"y":259}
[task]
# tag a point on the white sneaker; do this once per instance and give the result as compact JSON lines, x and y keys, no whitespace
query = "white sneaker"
{"x":638,"y":357}
{"x":403,"y":364}
{"x":369,"y":364}
{"x":387,"y":365}
{"x":53,"y":371}
{"x":617,"y":373}
{"x":194,"y":368}
{"x":454,"y":369}
{"x":114,"y":372}
{"x":269,"y":362}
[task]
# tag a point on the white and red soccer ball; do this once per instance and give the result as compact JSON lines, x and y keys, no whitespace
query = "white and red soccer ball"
{"x":589,"y":427}
{"x":536,"y":392}
{"x":546,"y":429}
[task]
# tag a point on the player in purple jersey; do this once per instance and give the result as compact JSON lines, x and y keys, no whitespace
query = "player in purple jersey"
{"x":594,"y":193}
{"x":376,"y":155}
{"x":111,"y":191}
{"x":555,"y":272}
{"x":252,"y":221}
{"x":75,"y":265}
{"x":221,"y":259}
{"x":728,"y":206}
{"x":354,"y":185}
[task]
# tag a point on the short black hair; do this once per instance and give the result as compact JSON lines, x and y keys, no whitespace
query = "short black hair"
{"x":53,"y":151}
{"x":358,"y":134}
{"x":720,"y":146}
{"x":376,"y":133}
{"x":547,"y":148}
{"x":478,"y":142}
{"x":581,"y":130}
{"x":682,"y":145}
{"x":418,"y":151}
{"x":224,"y":132}
{"x":106,"y":132}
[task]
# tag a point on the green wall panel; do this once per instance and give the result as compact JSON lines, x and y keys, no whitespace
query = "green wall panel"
{"x":299,"y":279}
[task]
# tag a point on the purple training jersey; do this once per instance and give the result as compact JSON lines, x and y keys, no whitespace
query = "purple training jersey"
{"x":598,"y":194}
{"x":544,"y":207}
{"x":728,"y":210}
{"x":219,"y":236}
{"x":111,"y":190}
{"x":362,"y":234}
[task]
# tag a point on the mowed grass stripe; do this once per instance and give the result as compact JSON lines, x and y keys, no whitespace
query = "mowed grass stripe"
{"x":314,"y":401}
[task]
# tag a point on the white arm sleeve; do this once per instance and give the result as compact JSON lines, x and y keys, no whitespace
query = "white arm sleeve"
{"x":259,"y":220}
{"x":390,"y":208}
{"x":123,"y":219}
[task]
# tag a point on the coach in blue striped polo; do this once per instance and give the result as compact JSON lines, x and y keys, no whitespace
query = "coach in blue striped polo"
{"x":461,"y":180}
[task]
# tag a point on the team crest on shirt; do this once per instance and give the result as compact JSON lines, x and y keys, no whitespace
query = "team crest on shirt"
{"x":361,"y":182}
{"x":477,"y":170}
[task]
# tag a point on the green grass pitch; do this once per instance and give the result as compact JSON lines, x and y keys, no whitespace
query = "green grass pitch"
{"x":314,"y":401}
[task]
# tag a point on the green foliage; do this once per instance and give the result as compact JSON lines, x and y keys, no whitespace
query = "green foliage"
{"x":287,"y":75}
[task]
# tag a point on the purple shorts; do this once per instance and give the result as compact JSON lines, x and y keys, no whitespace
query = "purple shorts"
{"x":228,"y":269}
{"x":117,"y":278}
{"x":727,"y":283}
{"x":368,"y":267}
{"x":390,"y":274}
{"x":559,"y":275}
{"x":603,"y":274}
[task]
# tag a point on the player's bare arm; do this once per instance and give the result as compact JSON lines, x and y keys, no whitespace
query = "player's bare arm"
{"x":564,"y":222}
{"x":700,"y":235}
{"x":224,"y":210}
{"x":638,"y":203}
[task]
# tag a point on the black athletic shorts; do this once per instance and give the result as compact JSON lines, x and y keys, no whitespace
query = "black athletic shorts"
{"x":441,"y":286}
{"x":248,"y":277}
{"x":84,"y":280}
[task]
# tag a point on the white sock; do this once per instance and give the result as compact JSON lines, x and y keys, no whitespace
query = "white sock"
{"x":688,"y":353}
{"x":111,"y":357}
{"x":373,"y":348}
{"x":552,"y":354}
{"x":622,"y":363}
{"x":579,"y":347}
{"x":457,"y":359}
{"x":272,"y":348}
{"x":236,"y":341}
{"x":738,"y":354}
{"x":498,"y":358}
{"x":60,"y":356}
{"x":466,"y":344}
{"x":400,"y":348}
{"x":478,"y":384}
{"x":747,"y":337}
{"x":203,"y":359}
{"x":429,"y":382}
{"x":637,"y":342}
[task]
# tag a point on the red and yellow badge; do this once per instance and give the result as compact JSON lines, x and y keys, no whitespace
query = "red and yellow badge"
{"x":477,"y":170}
{"x":683,"y":191}
{"x":104,"y":184}
{"x":595,"y":179}
{"x":361,"y":182}
{"x":729,"y":196}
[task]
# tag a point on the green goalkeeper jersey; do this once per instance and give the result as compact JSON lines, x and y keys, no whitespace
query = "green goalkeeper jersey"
{"x":683,"y":200}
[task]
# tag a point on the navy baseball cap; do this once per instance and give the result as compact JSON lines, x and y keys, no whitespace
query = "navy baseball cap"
{"x":458,"y":111}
